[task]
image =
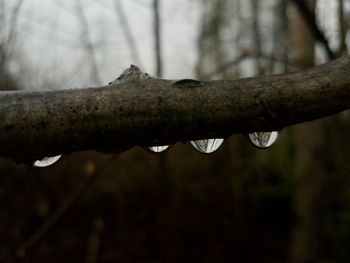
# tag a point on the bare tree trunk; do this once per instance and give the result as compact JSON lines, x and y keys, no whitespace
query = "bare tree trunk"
{"x":13,"y":27}
{"x":343,"y":26}
{"x":124,"y":24}
{"x":210,"y":43}
{"x":309,"y":174}
{"x":8,"y":43}
{"x":303,"y":41}
{"x":280,"y":41}
{"x":256,"y":36}
{"x":158,"y":46}
{"x":95,"y":74}
{"x":310,"y":20}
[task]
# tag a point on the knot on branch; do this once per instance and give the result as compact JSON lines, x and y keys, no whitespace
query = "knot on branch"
{"x":187,"y":83}
{"x":132,"y":72}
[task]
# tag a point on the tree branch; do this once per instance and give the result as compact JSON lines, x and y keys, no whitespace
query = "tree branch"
{"x":137,"y":109}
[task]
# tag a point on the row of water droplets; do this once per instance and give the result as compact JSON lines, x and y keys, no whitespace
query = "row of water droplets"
{"x":258,"y":139}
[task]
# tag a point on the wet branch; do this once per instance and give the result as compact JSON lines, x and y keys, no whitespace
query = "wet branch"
{"x":137,"y":109}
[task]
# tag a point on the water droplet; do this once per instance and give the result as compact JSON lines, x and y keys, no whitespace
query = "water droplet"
{"x":46,"y":161}
{"x":263,"y":139}
{"x":207,"y":145}
{"x":158,"y":149}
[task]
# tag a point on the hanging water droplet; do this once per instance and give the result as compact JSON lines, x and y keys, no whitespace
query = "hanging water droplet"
{"x":46,"y":161}
{"x":158,"y":149}
{"x":207,"y":145}
{"x":263,"y":139}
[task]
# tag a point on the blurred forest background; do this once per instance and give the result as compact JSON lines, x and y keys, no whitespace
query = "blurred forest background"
{"x":290,"y":203}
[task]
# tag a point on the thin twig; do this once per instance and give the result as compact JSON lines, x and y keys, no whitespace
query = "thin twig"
{"x":8,"y":45}
{"x":158,"y":46}
{"x":124,"y":24}
{"x":248,"y":53}
{"x":87,"y":42}
{"x":226,"y":65}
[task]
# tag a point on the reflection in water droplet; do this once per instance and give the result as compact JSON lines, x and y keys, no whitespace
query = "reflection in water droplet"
{"x":207,"y":145}
{"x":158,"y":149}
{"x":263,"y":139}
{"x":46,"y":161}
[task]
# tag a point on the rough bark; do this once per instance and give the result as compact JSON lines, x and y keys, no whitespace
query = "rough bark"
{"x":137,"y":109}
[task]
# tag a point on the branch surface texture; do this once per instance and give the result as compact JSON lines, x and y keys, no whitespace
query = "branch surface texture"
{"x":137,"y":109}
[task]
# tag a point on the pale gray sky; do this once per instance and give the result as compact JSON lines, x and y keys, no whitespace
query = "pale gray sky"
{"x":50,"y":51}
{"x":50,"y":39}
